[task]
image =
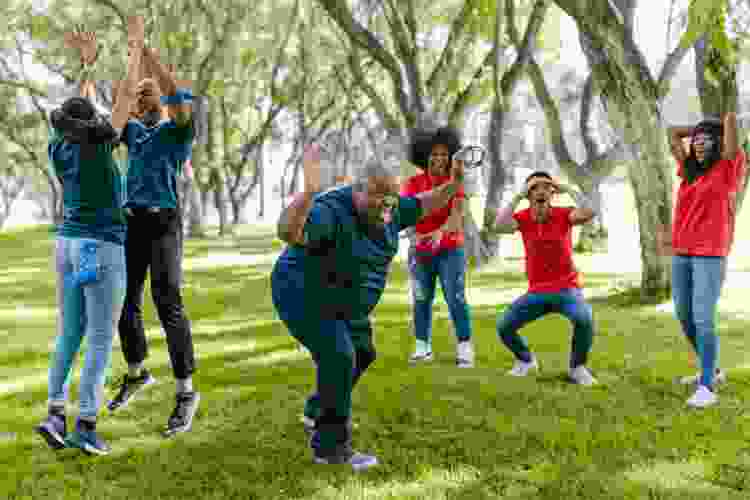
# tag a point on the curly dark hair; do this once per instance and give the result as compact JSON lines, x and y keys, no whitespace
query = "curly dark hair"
{"x":423,"y":141}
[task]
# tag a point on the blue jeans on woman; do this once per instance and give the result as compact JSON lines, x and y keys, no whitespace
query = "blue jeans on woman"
{"x":450,"y":267}
{"x":90,"y":294}
{"x":696,"y":288}
{"x":532,"y":306}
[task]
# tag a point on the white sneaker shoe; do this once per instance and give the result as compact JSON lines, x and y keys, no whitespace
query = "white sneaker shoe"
{"x":522,"y":368}
{"x":703,"y":397}
{"x":465,"y":354}
{"x":719,"y":378}
{"x":582,"y":376}
{"x":422,"y":353}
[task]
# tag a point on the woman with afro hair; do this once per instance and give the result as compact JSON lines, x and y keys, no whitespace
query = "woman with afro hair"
{"x":438,"y":251}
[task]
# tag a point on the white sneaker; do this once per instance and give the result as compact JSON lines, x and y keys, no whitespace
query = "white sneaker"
{"x":465,"y":354}
{"x":703,"y":397}
{"x":422,"y":353}
{"x":719,"y":378}
{"x":582,"y":376}
{"x":522,"y":368}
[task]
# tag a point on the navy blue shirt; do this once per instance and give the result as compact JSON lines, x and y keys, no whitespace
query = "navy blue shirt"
{"x":344,"y":269}
{"x":155,"y":159}
{"x":92,"y":190}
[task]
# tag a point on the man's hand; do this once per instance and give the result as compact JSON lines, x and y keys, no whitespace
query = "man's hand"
{"x":311,"y":168}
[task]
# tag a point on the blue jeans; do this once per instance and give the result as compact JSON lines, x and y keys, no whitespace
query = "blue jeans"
{"x":532,"y":306}
{"x":450,"y":267}
{"x":696,"y":288}
{"x":90,"y":293}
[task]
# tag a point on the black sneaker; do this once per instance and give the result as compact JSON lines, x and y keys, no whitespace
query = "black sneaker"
{"x":129,"y":388}
{"x":53,"y":430}
{"x":181,"y":419}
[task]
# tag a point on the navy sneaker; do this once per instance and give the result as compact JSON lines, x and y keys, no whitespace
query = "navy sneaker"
{"x":86,"y":439}
{"x":129,"y":388}
{"x":309,"y":425}
{"x":181,"y":419}
{"x":53,"y":430}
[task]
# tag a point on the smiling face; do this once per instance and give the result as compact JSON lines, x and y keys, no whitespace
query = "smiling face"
{"x":439,"y":160}
{"x":377,"y":201}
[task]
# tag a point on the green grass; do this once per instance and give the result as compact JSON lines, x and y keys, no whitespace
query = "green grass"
{"x":440,"y":432}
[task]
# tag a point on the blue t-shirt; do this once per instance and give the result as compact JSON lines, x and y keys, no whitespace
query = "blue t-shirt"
{"x":92,"y":190}
{"x":344,"y":269}
{"x":155,"y":158}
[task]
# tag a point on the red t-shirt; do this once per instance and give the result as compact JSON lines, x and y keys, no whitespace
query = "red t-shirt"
{"x":549,"y":250}
{"x":421,"y":183}
{"x":704,"y":214}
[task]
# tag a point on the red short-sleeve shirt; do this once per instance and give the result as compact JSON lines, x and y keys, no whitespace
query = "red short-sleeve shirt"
{"x":704,"y":215}
{"x":421,"y":183}
{"x":549,"y":251}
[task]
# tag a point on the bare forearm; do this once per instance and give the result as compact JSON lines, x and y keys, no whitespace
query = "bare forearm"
{"x":731,"y":141}
{"x":291,"y":225}
{"x":438,"y":197}
{"x":583,"y":202}
{"x":126,"y":91}
{"x":164,"y":78}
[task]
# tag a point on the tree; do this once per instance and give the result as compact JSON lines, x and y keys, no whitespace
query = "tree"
{"x":633,"y":94}
{"x":394,"y":42}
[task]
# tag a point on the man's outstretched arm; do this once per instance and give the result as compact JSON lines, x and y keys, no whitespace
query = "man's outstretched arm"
{"x":126,"y":91}
{"x":179,"y":110}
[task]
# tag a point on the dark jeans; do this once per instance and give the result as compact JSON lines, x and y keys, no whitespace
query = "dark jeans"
{"x":342,"y":350}
{"x":154,"y":241}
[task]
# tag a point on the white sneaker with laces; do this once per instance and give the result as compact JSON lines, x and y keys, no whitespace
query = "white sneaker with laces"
{"x":719,"y":378}
{"x":522,"y":368}
{"x":422,"y":353}
{"x":703,"y":397}
{"x":582,"y":376}
{"x":465,"y":354}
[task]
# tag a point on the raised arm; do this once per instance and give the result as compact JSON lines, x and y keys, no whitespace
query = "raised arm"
{"x":441,"y":195}
{"x":731,"y":140}
{"x":126,"y":91}
{"x":676,"y":136}
{"x":291,"y":224}
{"x":177,"y":109}
{"x":584,"y":211}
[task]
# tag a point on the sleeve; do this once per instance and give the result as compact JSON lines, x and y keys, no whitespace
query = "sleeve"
{"x":408,"y":189}
{"x":182,"y":96}
{"x":461,"y":194}
{"x":521,"y":219}
{"x":680,"y":170}
{"x":127,"y":136}
{"x":565,"y":215}
{"x":737,"y":170}
{"x":320,"y":227}
{"x":409,"y":211}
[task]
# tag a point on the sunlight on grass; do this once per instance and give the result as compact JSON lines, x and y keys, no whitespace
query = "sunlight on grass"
{"x":23,"y":384}
{"x":216,"y":259}
{"x":433,"y":483}
{"x":272,"y":358}
{"x":668,"y":475}
{"x":26,"y":313}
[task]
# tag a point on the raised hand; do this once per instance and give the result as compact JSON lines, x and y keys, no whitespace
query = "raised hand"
{"x":311,"y":168}
{"x":85,"y":42}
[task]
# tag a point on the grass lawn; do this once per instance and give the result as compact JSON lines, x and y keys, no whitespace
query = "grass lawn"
{"x":440,"y":432}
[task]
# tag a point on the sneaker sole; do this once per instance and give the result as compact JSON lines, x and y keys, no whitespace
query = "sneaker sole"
{"x":53,"y":439}
{"x":357,"y":467}
{"x":93,"y":450}
{"x":125,"y":403}
{"x":189,"y":426}
{"x":423,"y":359}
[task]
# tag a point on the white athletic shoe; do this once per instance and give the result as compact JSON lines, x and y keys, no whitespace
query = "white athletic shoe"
{"x":522,"y":368}
{"x":703,"y":397}
{"x":465,"y":354}
{"x":422,"y":353}
{"x":582,"y":376}
{"x":719,"y":378}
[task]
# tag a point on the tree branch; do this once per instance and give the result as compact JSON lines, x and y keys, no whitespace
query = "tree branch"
{"x":447,"y":55}
{"x":587,"y":97}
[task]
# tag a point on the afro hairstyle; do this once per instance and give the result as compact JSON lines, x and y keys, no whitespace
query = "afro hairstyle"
{"x":424,"y":140}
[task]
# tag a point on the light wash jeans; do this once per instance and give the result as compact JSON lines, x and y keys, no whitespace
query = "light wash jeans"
{"x":696,"y":288}
{"x":90,"y":294}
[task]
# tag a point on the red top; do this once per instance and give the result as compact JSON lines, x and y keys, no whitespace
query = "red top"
{"x":421,"y":183}
{"x":704,"y":214}
{"x":549,"y":250}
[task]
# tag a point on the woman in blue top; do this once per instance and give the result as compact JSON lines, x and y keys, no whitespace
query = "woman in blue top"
{"x":90,"y":259}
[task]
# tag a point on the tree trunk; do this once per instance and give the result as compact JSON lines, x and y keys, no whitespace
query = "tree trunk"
{"x":594,"y":235}
{"x":196,"y":226}
{"x":498,"y":177}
